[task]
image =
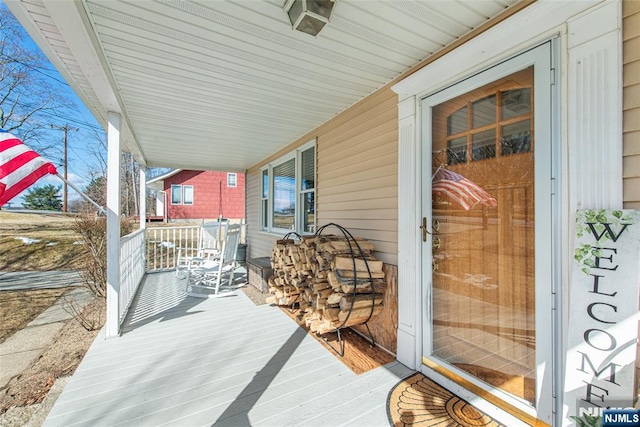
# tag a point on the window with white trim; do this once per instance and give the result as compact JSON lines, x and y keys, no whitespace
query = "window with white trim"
{"x":232,"y":179}
{"x":287,"y":199}
{"x":264,"y":199}
{"x":181,"y":194}
{"x":307,"y":191}
{"x":176,"y":194}
{"x":188,"y":194}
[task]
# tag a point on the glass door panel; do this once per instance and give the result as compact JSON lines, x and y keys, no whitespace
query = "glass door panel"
{"x":483,"y":279}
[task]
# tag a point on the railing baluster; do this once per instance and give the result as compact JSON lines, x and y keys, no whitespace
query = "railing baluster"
{"x":167,"y":242}
{"x":146,"y":248}
{"x":162,"y":232}
{"x":155,"y":249}
{"x":170,"y":258}
{"x":181,"y":245}
{"x":171,"y":236}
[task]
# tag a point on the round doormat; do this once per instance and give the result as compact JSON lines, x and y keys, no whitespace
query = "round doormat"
{"x":418,"y":401}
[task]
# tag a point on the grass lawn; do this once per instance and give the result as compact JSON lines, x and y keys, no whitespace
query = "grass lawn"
{"x":51,"y":248}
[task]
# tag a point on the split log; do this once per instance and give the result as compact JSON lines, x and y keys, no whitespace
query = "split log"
{"x":334,"y":298}
{"x":359,"y":315}
{"x":325,"y":293}
{"x":334,"y":282}
{"x":321,"y":304}
{"x":330,"y":314}
{"x":348,"y":274}
{"x":360,"y":301}
{"x":364,"y":286}
{"x":346,"y":263}
{"x":320,"y":286}
{"x":343,"y":246}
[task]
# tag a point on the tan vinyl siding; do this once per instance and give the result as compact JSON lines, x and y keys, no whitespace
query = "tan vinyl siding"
{"x":631,"y":103}
{"x":357,"y":176}
{"x":259,"y":244}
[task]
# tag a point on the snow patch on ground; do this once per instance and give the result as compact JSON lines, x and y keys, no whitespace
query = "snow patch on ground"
{"x":27,"y":240}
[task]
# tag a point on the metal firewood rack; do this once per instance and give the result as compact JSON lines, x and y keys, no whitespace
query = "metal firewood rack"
{"x":354,"y":248}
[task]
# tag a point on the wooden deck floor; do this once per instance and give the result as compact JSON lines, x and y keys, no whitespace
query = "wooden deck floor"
{"x":184,"y":361}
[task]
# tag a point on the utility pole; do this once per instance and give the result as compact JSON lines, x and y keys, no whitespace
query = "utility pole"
{"x":65,"y":129}
{"x":133,"y":184}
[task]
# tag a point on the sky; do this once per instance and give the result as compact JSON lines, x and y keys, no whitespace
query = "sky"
{"x":80,"y":138}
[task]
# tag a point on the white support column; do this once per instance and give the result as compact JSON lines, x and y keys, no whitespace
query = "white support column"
{"x":408,"y":254}
{"x":143,"y":197}
{"x":112,"y":325}
{"x":160,"y":196}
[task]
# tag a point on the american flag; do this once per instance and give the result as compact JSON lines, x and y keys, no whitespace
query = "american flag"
{"x":459,"y":190}
{"x":20,"y":167}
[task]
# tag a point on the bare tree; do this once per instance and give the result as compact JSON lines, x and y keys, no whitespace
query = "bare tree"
{"x":30,"y":96}
{"x":98,"y":149}
{"x":130,"y":183}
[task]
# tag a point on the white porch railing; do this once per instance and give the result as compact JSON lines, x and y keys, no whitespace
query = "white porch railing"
{"x":164,"y":243}
{"x":132,"y":265}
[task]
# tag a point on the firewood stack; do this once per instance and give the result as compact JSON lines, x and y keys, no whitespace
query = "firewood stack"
{"x":290,"y":272}
{"x":318,"y":274}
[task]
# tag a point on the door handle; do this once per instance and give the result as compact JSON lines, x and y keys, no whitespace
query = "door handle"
{"x":423,"y":227}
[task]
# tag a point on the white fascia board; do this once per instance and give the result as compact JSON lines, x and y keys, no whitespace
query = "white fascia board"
{"x":536,"y":22}
{"x":156,"y":185}
{"x":23,"y":16}
{"x":74,"y":26}
{"x":161,"y":178}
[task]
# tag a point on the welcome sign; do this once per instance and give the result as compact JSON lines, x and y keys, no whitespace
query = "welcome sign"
{"x":603,"y":313}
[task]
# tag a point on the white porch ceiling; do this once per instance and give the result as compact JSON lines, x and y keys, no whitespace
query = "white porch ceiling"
{"x":221,"y":85}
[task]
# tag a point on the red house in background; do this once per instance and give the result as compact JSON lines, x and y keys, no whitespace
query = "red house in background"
{"x":187,"y":195}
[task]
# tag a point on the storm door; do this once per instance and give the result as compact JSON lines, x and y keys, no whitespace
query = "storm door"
{"x":486,"y":203}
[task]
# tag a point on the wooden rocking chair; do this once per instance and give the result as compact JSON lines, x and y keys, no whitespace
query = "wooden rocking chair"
{"x":208,"y":278}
